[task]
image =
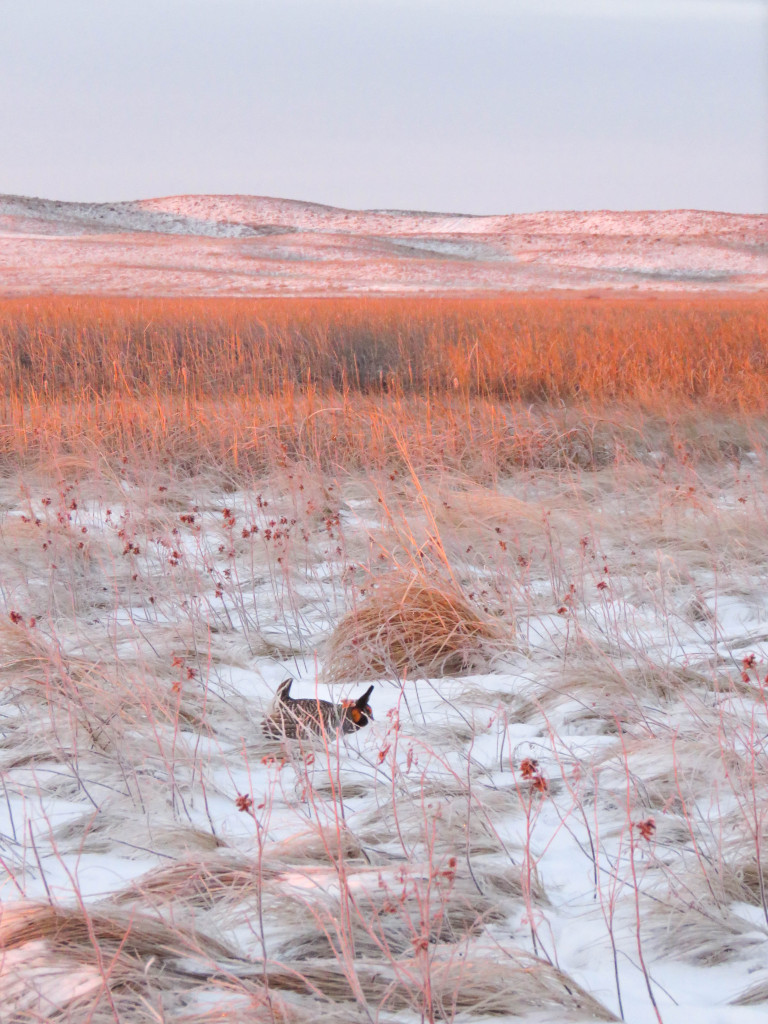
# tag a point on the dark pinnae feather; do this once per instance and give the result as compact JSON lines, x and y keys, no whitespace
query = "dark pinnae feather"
{"x":362,"y":701}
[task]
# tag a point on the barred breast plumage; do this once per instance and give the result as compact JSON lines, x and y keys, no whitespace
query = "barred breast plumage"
{"x":290,"y":717}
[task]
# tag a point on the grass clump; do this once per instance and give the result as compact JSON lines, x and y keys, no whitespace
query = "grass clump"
{"x":412,"y":626}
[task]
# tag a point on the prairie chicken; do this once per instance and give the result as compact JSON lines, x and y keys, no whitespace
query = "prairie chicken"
{"x":291,"y":717}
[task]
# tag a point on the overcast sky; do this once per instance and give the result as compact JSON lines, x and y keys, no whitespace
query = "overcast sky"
{"x":478,"y":106}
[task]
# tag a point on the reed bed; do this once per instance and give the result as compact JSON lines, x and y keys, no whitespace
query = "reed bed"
{"x":479,"y":385}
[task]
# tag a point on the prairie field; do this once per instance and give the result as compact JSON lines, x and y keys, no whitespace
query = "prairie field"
{"x":478,"y":387}
{"x":537,"y":526}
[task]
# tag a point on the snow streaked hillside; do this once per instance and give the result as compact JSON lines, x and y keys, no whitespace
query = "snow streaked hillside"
{"x":251,"y":245}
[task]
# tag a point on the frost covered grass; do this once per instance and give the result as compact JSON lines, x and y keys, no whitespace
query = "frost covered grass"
{"x":574,"y":831}
{"x":560,"y":810}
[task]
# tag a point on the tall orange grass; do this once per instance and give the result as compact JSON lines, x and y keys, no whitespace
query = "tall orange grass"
{"x":472,"y":384}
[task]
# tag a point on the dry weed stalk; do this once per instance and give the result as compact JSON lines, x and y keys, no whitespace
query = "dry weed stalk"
{"x":413,"y":627}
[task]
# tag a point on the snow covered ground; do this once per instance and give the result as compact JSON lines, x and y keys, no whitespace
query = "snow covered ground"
{"x":248,"y":245}
{"x":574,"y":832}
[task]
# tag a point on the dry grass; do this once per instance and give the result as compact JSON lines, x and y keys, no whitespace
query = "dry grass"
{"x":382,"y":879}
{"x":67,"y":958}
{"x":516,"y":349}
{"x":473,"y":385}
{"x":411,"y":627}
{"x":77,"y":934}
{"x":484,"y":982}
{"x":703,"y":935}
{"x":199,"y":499}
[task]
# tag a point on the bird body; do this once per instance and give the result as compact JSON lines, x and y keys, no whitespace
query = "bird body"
{"x":291,"y":717}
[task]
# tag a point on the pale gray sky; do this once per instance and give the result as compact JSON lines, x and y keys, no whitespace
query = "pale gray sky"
{"x":476,"y":106}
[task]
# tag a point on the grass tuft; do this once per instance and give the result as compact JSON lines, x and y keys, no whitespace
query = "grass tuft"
{"x":411,"y":627}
